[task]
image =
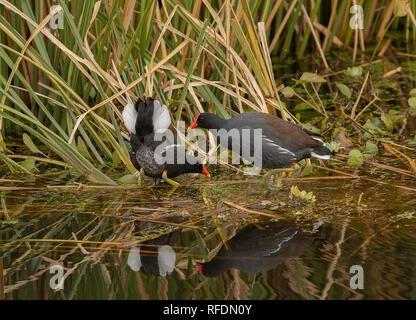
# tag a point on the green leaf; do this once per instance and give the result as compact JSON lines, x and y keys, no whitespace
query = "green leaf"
{"x":333,"y":146}
{"x":82,"y":148}
{"x":92,"y":92}
{"x":387,"y":120}
{"x":128,"y":179}
{"x":371,"y":148}
{"x":355,"y":153}
{"x":29,"y":163}
{"x":412,"y":105}
{"x":310,"y":127}
{"x":29,"y":143}
{"x":312,"y":78}
{"x":354,"y":72}
{"x":412,"y":102}
{"x":355,"y":158}
{"x":288,"y":92}
{"x":344,"y":89}
{"x":412,"y":93}
{"x":302,"y":106}
{"x":116,"y":159}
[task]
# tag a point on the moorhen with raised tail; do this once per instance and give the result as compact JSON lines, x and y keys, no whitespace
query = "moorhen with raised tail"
{"x":283,"y":143}
{"x":144,"y":120}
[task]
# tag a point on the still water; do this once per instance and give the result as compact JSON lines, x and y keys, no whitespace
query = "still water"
{"x":207,"y":240}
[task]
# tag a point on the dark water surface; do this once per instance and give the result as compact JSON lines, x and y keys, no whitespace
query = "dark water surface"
{"x":153,"y":243}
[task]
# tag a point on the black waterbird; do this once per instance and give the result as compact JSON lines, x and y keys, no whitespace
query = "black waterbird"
{"x":145,"y":120}
{"x":283,"y":143}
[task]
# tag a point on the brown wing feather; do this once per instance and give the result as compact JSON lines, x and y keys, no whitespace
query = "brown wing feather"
{"x":287,"y":133}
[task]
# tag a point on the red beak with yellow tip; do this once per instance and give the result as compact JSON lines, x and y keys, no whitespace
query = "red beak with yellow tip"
{"x":194,"y":124}
{"x":198,"y":266}
{"x":205,"y":171}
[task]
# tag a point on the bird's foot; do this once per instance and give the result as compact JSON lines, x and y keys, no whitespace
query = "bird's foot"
{"x":172,"y":190}
{"x":139,"y":174}
{"x":277,"y":174}
{"x":170,"y":181}
{"x":269,"y":179}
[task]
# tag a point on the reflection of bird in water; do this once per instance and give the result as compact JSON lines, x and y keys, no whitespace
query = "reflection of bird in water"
{"x":254,"y":250}
{"x":154,"y":256}
{"x":157,"y":261}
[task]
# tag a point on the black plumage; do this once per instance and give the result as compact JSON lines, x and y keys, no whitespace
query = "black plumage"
{"x":145,"y":147}
{"x":254,"y":250}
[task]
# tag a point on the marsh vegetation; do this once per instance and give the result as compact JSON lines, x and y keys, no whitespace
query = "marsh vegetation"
{"x":69,"y":192}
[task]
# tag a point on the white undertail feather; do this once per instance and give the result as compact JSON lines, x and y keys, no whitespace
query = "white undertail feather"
{"x":134,"y":261}
{"x":161,"y":117}
{"x":166,"y":259}
{"x":129,"y":117}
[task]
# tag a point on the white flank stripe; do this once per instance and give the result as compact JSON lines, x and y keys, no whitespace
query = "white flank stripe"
{"x":281,"y":149}
{"x":313,"y":154}
{"x":317,"y":139}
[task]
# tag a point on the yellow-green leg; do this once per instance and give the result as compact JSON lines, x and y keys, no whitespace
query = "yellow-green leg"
{"x":170,"y":181}
{"x":139,"y":174}
{"x":279,"y":174}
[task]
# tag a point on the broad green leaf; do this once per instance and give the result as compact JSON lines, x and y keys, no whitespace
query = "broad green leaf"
{"x":128,"y":179}
{"x":355,"y":153}
{"x":355,"y":158}
{"x":375,"y":126}
{"x":354,"y":72}
{"x":412,"y":102}
{"x":82,"y":148}
{"x":312,"y":78}
{"x":116,"y":159}
{"x":371,"y":148}
{"x":302,"y":106}
{"x":288,"y":92}
{"x":412,"y":93}
{"x":310,"y":127}
{"x":29,"y":143}
{"x":29,"y":163}
{"x":344,"y":89}
{"x":412,"y":105}
{"x":387,"y":120}
{"x":333,"y":146}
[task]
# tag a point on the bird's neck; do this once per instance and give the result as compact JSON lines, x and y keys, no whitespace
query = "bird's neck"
{"x":218,"y":123}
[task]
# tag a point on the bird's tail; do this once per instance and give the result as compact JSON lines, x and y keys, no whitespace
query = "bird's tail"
{"x":129,"y":117}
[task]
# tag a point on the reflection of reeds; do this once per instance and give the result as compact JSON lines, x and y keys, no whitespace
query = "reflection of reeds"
{"x":84,"y":232}
{"x":2,"y":293}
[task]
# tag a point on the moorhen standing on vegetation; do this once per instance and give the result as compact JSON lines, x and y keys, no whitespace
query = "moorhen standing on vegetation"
{"x":143,"y":120}
{"x":283,"y":143}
